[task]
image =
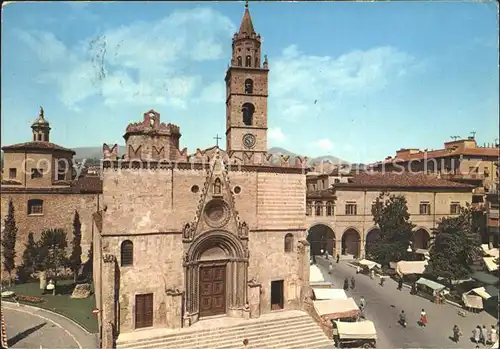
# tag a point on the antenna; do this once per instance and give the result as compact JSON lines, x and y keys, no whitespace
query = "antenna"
{"x":454,"y":137}
{"x":473,"y":133}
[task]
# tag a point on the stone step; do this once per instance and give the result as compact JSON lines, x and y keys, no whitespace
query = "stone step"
{"x":282,"y":333}
{"x":229,"y":336}
{"x":191,"y":333}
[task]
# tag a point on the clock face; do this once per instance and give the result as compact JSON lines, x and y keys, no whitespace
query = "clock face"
{"x":249,"y":140}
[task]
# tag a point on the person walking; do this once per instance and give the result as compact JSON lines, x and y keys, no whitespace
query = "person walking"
{"x":493,"y":334}
{"x":330,"y":268}
{"x":314,"y":259}
{"x":372,"y":274}
{"x":476,"y":333}
{"x":362,"y":302}
{"x":353,"y":283}
{"x":358,"y":269}
{"x":402,"y":318}
{"x":338,"y":258}
{"x":456,"y":334}
{"x":346,"y":284}
{"x":484,"y":335}
{"x":400,"y":284}
{"x":423,"y":318}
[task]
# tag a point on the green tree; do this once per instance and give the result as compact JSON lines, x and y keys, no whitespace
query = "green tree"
{"x":390,"y":214}
{"x":9,"y":242}
{"x":455,"y":246}
{"x":75,"y":260}
{"x":30,"y":254}
{"x":52,"y":250}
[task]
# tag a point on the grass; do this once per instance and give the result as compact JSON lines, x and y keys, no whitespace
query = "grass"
{"x":78,"y":310}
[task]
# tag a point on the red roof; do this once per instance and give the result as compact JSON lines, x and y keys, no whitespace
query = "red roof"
{"x":37,"y":146}
{"x":400,"y":180}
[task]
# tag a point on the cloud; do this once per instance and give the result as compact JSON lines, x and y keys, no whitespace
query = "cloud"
{"x":276,"y":135}
{"x":324,"y":144}
{"x":306,"y":85}
{"x":142,"y":63}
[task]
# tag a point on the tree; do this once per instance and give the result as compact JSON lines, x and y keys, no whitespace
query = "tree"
{"x":75,"y":260}
{"x":30,"y":259}
{"x":52,"y":250}
{"x":9,"y":242}
{"x":455,"y":246}
{"x":390,"y":214}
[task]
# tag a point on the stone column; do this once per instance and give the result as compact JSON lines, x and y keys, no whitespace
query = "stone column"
{"x":174,"y":308}
{"x":108,"y":311}
{"x":254,"y":288}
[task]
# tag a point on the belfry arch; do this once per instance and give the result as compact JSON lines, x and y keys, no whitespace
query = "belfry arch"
{"x":321,"y":237}
{"x":216,"y":273}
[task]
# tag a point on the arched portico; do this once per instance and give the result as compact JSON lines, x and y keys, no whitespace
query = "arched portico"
{"x":321,"y":237}
{"x":421,"y":238}
{"x":372,"y":236}
{"x":351,"y":242}
{"x":216,"y":270}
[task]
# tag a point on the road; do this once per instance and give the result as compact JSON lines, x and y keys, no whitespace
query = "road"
{"x":30,"y":327}
{"x":383,"y":305}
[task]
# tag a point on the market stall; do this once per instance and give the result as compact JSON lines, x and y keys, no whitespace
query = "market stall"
{"x":367,"y":265}
{"x":472,"y":302}
{"x":333,"y":309}
{"x":354,"y":334}
{"x":491,"y":263}
{"x":329,"y":293}
{"x":410,"y":267}
{"x":431,"y":288}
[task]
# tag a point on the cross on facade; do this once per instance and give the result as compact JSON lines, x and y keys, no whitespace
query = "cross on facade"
{"x":217,"y":139}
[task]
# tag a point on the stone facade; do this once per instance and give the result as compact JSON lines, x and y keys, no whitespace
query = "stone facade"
{"x":340,"y":221}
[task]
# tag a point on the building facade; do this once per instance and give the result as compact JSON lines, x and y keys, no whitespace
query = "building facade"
{"x":39,"y":178}
{"x":339,"y":207}
{"x":185,"y":237}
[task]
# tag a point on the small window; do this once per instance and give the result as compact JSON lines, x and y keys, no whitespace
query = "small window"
{"x":36,"y":173}
{"x":256,"y":60}
{"x":288,"y":242}
{"x":61,"y":173}
{"x":329,"y":208}
{"x":39,"y":137}
{"x":248,"y":109}
{"x":425,"y":208}
{"x":195,"y":189}
{"x":35,"y":206}
{"x":237,"y":190}
{"x":486,"y":172}
{"x":337,"y":180}
{"x":217,"y":187}
{"x":248,"y":86}
{"x":455,"y":208}
{"x":127,"y":253}
{"x":248,"y":61}
{"x":240,"y":63}
{"x":318,"y":208}
{"x":308,"y":209}
{"x":12,"y":173}
{"x":351,"y":209}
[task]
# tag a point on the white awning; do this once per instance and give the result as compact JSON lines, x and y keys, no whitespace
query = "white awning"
{"x":329,"y":293}
{"x":490,"y":263}
{"x":335,"y":306}
{"x":495,"y":346}
{"x":472,"y":301}
{"x":369,"y":264}
{"x":493,"y":252}
{"x":481,"y":292}
{"x":356,"y":330}
{"x":407,"y":267}
{"x":315,"y":274}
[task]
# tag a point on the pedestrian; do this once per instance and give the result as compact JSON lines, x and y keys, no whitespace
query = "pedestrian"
{"x":338,"y":258}
{"x":314,"y":259}
{"x":493,"y":334}
{"x":400,"y":284}
{"x":413,"y":288}
{"x":362,"y":302}
{"x":484,"y":335}
{"x":372,"y":274}
{"x":423,"y":318}
{"x":456,"y":334}
{"x":353,"y":282}
{"x":382,"y":279}
{"x":330,"y":268}
{"x":346,"y":284}
{"x":476,"y":333}
{"x":358,"y":269}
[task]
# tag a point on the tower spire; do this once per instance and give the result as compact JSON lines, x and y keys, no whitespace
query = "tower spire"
{"x":246,"y":26}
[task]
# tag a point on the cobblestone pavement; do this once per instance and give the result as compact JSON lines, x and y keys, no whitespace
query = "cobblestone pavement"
{"x":383,"y":305}
{"x":30,"y":327}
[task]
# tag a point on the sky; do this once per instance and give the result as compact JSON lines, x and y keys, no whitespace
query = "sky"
{"x":357,"y":80}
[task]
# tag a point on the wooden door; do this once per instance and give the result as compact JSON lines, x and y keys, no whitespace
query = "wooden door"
{"x":212,"y":290}
{"x":143,"y":310}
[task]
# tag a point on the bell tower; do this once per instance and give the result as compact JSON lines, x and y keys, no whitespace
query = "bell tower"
{"x":246,"y":92}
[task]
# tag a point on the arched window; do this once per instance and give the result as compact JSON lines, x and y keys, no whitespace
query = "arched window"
{"x":217,"y":186}
{"x":39,"y":136}
{"x":308,"y":209}
{"x":248,"y":61}
{"x":127,"y":253}
{"x":248,"y":110}
{"x":256,"y":62}
{"x":329,"y":208}
{"x":239,"y":61}
{"x":288,"y":242}
{"x":318,"y":208}
{"x":248,"y":86}
{"x":35,"y":206}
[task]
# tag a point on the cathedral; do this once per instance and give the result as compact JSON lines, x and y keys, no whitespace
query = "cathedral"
{"x":181,"y":238}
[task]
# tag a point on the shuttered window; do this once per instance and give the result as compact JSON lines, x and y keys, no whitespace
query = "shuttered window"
{"x":127,"y":253}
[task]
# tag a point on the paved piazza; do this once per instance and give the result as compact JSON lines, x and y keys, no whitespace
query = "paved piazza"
{"x":383,"y":305}
{"x":29,"y":327}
